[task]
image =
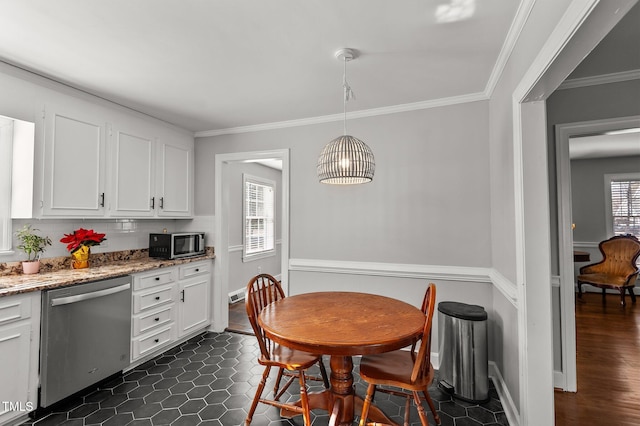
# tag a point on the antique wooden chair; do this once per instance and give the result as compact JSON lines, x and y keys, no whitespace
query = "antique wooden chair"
{"x":262,"y":290}
{"x":617,"y":269}
{"x":410,"y":371}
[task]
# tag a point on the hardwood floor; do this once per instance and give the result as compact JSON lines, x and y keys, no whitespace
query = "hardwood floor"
{"x":238,"y":321}
{"x":608,"y":361}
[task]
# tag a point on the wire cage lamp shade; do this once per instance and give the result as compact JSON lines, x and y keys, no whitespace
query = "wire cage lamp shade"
{"x":346,"y":160}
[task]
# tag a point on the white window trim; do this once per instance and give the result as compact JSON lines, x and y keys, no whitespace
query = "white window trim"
{"x":607,"y":196}
{"x":265,"y":253}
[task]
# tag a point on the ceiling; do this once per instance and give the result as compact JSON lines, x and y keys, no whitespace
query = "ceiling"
{"x":206,"y":65}
{"x":212,"y":65}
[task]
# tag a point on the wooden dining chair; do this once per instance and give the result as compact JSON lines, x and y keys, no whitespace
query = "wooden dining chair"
{"x":617,"y":269}
{"x":261,"y":291}
{"x":409,"y":371}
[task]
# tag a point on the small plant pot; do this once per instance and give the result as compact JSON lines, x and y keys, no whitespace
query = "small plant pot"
{"x":31,"y":267}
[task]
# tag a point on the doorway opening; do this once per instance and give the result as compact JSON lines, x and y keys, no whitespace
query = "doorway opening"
{"x":231,"y":273}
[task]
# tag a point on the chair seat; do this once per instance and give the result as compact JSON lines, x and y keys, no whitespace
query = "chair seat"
{"x":605,"y":279}
{"x":291,"y":359}
{"x":393,"y":369}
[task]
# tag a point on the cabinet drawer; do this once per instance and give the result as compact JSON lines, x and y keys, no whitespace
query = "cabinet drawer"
{"x":143,"y":323}
{"x":194,"y":269}
{"x":152,"y":341}
{"x":14,"y":308}
{"x":165,"y":276}
{"x":153,"y":298}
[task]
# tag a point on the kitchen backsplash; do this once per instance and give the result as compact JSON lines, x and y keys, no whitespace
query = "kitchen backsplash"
{"x":121,"y":234}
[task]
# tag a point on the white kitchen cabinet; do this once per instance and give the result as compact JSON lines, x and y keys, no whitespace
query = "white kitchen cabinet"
{"x":153,"y":324}
{"x":194,"y":304}
{"x":99,"y":165}
{"x":150,"y":176}
{"x":132,"y":172}
{"x":19,"y":342}
{"x":168,"y":304}
{"x":175,"y":179}
{"x":74,"y":163}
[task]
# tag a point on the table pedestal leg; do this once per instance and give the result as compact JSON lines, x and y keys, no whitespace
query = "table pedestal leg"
{"x":342,"y":386}
{"x":341,"y":379}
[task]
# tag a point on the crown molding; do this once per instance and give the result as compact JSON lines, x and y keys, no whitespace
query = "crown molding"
{"x":393,"y":109}
{"x":517,"y":25}
{"x":595,"y":80}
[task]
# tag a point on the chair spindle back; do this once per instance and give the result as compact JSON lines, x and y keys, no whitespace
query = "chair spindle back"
{"x":261,"y":291}
{"x":422,"y":361}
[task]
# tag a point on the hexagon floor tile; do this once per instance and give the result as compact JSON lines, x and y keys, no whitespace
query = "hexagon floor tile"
{"x":211,"y":380}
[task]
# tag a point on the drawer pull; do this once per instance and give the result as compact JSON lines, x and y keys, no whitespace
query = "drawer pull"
{"x":157,"y":319}
{"x":157,"y":278}
{"x":156,"y":340}
{"x":157,"y":297}
{"x":197,"y":269}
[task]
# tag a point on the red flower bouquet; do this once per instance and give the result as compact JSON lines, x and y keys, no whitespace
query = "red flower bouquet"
{"x":82,"y":237}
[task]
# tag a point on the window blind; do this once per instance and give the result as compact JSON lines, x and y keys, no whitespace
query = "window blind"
{"x":259,"y":217}
{"x":625,"y":206}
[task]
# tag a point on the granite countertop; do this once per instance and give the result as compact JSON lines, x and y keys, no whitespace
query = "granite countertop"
{"x":59,"y":277}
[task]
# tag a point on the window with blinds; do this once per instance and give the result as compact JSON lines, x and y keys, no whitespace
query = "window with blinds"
{"x":259,"y":217}
{"x":625,"y":204}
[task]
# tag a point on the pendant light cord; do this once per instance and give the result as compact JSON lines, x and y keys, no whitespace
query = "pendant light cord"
{"x":348,"y":95}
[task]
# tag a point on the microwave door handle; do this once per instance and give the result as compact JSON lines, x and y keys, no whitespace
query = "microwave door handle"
{"x":200,"y":242}
{"x":90,"y":295}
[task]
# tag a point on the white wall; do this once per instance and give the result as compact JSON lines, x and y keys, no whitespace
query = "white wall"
{"x":427,"y":204}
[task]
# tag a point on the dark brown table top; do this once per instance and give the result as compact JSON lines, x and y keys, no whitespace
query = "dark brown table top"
{"x":342,"y":323}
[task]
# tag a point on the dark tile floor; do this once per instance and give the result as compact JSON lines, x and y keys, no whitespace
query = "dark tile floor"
{"x":211,"y":380}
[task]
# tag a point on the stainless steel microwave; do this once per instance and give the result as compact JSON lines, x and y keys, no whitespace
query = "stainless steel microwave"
{"x":175,"y":245}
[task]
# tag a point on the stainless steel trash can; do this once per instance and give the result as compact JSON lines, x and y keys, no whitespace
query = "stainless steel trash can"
{"x":462,"y":344}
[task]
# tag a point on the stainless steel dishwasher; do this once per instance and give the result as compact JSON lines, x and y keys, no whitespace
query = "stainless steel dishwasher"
{"x":86,"y":336}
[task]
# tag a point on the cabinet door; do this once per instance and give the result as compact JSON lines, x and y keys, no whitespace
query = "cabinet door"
{"x":175,"y":179}
{"x":14,"y":371}
{"x":194,"y":304}
{"x":133,"y":169}
{"x":74,"y":165}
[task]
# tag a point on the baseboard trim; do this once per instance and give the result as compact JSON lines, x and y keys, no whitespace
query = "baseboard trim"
{"x":510,"y":409}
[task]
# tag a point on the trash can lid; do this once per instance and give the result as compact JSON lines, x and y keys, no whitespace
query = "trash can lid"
{"x":463,"y":311}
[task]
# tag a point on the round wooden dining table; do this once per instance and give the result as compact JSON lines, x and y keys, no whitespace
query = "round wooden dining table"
{"x":341,"y":325}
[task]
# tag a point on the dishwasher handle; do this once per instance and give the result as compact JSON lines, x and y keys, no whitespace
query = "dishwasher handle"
{"x":90,"y":295}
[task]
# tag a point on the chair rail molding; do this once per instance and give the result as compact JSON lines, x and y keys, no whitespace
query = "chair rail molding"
{"x":406,"y":270}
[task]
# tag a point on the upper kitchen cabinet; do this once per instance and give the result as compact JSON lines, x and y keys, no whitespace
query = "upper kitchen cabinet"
{"x":133,"y":172}
{"x":175,"y":179}
{"x":74,"y":163}
{"x":151,"y":176}
{"x":102,"y":163}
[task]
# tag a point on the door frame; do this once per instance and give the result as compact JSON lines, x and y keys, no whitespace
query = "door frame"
{"x":221,"y":226}
{"x":567,"y":378}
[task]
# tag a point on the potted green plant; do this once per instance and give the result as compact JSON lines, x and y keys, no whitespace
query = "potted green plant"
{"x":33,"y":245}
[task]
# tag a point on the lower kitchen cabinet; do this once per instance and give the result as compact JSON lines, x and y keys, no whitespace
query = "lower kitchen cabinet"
{"x":168,"y":304}
{"x":195,"y":289}
{"x":19,"y":342}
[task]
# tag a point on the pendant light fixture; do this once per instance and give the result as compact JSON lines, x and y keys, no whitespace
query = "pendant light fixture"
{"x":346,"y":160}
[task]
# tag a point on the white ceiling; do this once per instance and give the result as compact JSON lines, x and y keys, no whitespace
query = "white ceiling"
{"x":207,"y":65}
{"x":213,"y":64}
